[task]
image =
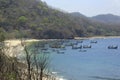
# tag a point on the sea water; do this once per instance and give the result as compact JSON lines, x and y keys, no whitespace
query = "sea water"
{"x":95,"y":63}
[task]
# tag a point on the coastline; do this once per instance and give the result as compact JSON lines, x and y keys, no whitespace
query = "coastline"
{"x":15,"y":50}
{"x":14,"y":47}
{"x":17,"y":43}
{"x":97,"y":37}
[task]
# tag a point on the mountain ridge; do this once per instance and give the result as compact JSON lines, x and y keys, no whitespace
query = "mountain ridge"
{"x":37,"y":20}
{"x":107,"y":18}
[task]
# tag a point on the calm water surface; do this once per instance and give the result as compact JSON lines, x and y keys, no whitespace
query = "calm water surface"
{"x":95,"y":63}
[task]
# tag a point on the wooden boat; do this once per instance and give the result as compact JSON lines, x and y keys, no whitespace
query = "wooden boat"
{"x":76,"y":47}
{"x":112,"y":47}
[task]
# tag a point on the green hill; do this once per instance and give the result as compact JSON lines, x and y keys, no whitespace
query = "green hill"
{"x":35,"y":19}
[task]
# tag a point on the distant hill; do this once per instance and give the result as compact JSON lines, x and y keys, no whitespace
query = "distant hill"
{"x":77,"y":14}
{"x":108,"y":18}
{"x":104,"y":27}
{"x":35,"y":19}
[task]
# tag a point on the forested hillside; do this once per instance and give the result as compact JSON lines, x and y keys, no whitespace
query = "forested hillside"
{"x":35,"y":19}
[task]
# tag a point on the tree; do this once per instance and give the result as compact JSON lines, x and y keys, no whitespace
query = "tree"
{"x":37,"y":62}
{"x":22,"y":19}
{"x":41,"y":61}
{"x":2,"y":35}
{"x":2,"y":38}
{"x":28,"y":59}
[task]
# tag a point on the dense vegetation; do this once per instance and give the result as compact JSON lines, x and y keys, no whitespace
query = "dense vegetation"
{"x":36,"y":19}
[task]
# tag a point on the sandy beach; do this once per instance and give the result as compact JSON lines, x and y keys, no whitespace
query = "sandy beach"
{"x":16,"y":42}
{"x":14,"y":47}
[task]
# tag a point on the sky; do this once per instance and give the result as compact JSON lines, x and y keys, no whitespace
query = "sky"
{"x":87,"y":7}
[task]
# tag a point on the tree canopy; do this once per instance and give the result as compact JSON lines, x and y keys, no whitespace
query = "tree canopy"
{"x":38,"y":20}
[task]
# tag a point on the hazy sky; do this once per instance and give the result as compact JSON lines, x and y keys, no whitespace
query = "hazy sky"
{"x":87,"y":7}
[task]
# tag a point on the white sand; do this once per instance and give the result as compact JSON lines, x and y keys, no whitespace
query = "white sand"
{"x":18,"y":42}
{"x":14,"y":47}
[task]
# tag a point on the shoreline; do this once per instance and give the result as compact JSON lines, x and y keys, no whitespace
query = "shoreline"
{"x":97,"y":37}
{"x":15,"y":42}
{"x":15,"y":50}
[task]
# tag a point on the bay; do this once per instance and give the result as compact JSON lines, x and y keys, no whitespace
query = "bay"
{"x":97,"y":62}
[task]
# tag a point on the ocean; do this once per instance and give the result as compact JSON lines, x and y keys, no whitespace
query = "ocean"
{"x":95,"y":63}
{"x":84,"y":59}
